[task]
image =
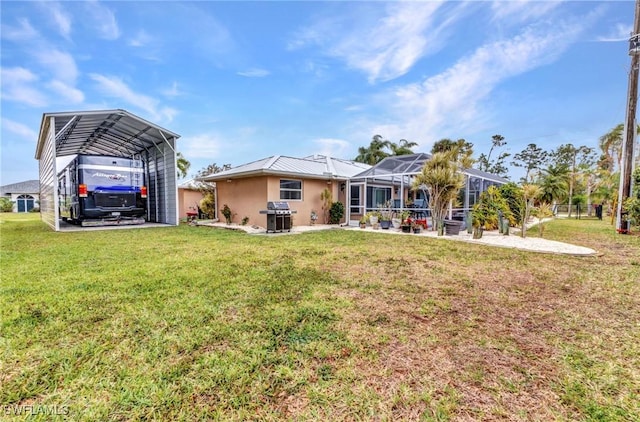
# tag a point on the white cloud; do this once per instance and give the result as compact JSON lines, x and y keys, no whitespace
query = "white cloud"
{"x":61,"y":64}
{"x":101,"y":19}
{"x":254,"y":73}
{"x":18,"y":84}
{"x":516,"y":12}
{"x":454,"y":100}
{"x":201,"y":146}
{"x":23,"y":32}
{"x":331,"y":147}
{"x":60,"y":18}
{"x":172,"y":91}
{"x":66,"y":92}
{"x":141,"y":39}
{"x":115,"y":87}
{"x":621,"y":32}
{"x":386,"y":46}
{"x":19,"y":129}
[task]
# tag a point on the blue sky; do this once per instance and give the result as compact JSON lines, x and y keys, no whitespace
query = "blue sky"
{"x":240,"y":81}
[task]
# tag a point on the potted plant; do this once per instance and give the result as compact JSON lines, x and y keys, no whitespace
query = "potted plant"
{"x":363,"y":222}
{"x":385,"y":215}
{"x":405,"y":224}
{"x":416,"y":227}
{"x":452,"y":227}
{"x":373,"y":217}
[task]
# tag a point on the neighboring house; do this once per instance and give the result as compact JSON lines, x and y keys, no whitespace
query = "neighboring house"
{"x":24,"y":195}
{"x":246,"y":189}
{"x":189,"y":197}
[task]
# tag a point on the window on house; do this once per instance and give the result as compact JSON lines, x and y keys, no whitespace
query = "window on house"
{"x":291,"y":189}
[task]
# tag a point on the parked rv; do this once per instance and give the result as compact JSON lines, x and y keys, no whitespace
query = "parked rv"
{"x":102,"y":190}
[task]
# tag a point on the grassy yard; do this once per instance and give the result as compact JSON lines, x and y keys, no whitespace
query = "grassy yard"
{"x":194,"y":323}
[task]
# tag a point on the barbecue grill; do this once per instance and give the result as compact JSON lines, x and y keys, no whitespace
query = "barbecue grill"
{"x":278,"y":216}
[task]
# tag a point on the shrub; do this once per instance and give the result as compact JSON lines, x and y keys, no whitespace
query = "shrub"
{"x":208,"y":204}
{"x":336,"y":212}
{"x":6,"y":205}
{"x":512,"y":194}
{"x":488,"y":209}
{"x":228,"y":215}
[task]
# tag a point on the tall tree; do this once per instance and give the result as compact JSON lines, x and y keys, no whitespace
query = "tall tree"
{"x":403,"y":147}
{"x":211,"y":169}
{"x":531,"y":158}
{"x":496,"y":166}
{"x":573,"y":157}
{"x":611,"y":146}
{"x":375,"y":152}
{"x":462,"y":150}
{"x":554,"y":182}
{"x":443,"y":180}
{"x":183,"y":165}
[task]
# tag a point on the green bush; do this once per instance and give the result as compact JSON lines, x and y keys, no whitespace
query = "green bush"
{"x":486,"y":211}
{"x":632,"y":204}
{"x":6,"y":205}
{"x":336,"y":212}
{"x":228,"y":214}
{"x":208,"y":204}
{"x":512,"y":193}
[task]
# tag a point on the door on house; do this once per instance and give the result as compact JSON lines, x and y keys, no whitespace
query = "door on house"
{"x":355,"y":202}
{"x":25,"y":203}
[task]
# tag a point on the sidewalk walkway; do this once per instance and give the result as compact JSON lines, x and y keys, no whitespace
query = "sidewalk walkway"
{"x":491,"y":238}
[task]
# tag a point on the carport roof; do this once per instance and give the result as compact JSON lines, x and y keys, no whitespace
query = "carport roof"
{"x":101,"y":132}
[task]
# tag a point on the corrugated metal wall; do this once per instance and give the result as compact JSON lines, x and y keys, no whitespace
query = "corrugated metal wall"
{"x":48,"y":180}
{"x":163,"y":189}
{"x":157,"y":151}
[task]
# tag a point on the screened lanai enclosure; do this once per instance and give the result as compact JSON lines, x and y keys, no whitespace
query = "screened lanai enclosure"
{"x":391,"y":180}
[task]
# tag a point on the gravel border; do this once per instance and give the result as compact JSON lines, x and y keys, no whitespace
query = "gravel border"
{"x":492,"y":238}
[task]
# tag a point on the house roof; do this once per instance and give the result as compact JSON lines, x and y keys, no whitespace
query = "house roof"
{"x":28,"y":186}
{"x":407,"y":165}
{"x":192,"y":184}
{"x":315,"y":166}
{"x":101,"y":132}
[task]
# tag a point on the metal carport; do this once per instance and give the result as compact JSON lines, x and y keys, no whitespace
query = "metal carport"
{"x":109,"y":132}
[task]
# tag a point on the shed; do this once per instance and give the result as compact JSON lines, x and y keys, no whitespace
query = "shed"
{"x":114,"y":133}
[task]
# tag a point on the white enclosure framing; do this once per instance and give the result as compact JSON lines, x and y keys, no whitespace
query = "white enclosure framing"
{"x":113,"y":133}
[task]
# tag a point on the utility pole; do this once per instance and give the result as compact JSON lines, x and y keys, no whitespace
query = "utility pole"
{"x":628,"y":143}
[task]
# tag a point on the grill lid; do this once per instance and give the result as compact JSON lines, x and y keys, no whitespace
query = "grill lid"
{"x":278,"y":205}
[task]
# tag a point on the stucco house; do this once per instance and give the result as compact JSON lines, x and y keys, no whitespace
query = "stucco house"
{"x":189,"y":197}
{"x":247,"y":188}
{"x":24,"y":195}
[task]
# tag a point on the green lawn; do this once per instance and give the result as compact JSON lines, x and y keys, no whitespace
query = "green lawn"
{"x":195,"y":323}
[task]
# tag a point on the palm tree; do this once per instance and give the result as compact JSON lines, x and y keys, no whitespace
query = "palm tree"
{"x":443,"y":180}
{"x":375,"y":152}
{"x":554,"y":183}
{"x":403,"y":147}
{"x":183,"y":165}
{"x":611,"y":146}
{"x":461,"y":149}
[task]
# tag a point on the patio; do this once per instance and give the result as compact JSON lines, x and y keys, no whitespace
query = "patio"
{"x":390,"y":182}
